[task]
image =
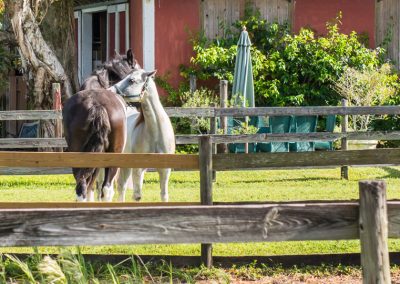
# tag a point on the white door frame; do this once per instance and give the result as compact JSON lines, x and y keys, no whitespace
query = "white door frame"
{"x":78,"y":17}
{"x":148,"y":34}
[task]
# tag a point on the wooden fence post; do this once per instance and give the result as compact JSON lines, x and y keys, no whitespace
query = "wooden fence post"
{"x":213,"y":130}
{"x":223,"y":96}
{"x":56,"y":94}
{"x":192,"y":83}
{"x":344,"y":170}
{"x":205,"y":161}
{"x":373,"y":225}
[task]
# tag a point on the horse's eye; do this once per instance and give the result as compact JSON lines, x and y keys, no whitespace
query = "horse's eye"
{"x":132,"y":81}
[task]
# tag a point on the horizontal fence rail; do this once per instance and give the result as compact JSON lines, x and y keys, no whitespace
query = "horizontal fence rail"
{"x":27,"y":143}
{"x":223,"y":162}
{"x":176,"y":224}
{"x":291,"y":137}
{"x":281,"y":111}
{"x":218,"y":112}
{"x":98,"y":160}
{"x":312,"y":110}
{"x":30,"y":115}
{"x":24,"y":143}
{"x":220,"y":162}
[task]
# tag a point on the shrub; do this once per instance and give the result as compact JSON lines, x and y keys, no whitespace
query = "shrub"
{"x":368,"y":87}
{"x":289,"y":70}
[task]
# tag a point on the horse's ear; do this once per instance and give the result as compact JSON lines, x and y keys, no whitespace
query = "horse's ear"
{"x":137,"y":66}
{"x":129,"y":57}
{"x":116,"y":54}
{"x":151,"y":73}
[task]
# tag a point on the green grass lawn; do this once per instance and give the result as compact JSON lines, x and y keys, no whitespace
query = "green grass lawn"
{"x":272,"y":185}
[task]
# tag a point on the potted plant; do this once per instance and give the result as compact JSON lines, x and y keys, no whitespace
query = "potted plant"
{"x":367,"y":87}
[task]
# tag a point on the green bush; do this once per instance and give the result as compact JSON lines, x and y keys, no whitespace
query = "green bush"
{"x":289,"y":70}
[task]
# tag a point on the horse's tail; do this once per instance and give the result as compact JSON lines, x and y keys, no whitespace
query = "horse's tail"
{"x":97,"y":140}
{"x":98,"y":130}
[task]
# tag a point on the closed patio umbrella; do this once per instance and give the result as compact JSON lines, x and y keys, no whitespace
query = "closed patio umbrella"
{"x":243,"y":86}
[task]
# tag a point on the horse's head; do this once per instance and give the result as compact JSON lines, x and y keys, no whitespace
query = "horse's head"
{"x":133,"y":87}
{"x":122,"y":65}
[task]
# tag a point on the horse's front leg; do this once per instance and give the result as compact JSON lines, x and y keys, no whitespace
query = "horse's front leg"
{"x":122,"y":184}
{"x":91,"y":180}
{"x":137,"y":179}
{"x":107,"y":190}
{"x":99,"y":183}
{"x":81,"y":186}
{"x":164,"y":177}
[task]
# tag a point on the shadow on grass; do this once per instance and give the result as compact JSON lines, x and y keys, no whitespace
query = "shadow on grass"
{"x":391,"y":172}
{"x":302,"y":179}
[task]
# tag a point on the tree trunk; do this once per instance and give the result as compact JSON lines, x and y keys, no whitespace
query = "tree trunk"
{"x":47,"y":52}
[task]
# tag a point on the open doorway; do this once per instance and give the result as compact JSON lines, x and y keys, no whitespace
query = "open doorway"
{"x":100,"y":32}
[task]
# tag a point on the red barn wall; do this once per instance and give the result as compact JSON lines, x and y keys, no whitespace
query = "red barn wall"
{"x":173,"y":20}
{"x":136,"y":29}
{"x":358,"y":15}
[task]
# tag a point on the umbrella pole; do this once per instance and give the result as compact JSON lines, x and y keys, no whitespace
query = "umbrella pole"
{"x":246,"y":145}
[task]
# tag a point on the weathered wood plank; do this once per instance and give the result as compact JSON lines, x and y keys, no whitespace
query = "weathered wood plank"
{"x":187,"y":112}
{"x":212,"y":112}
{"x":279,"y":111}
{"x":16,"y":143}
{"x":35,"y":171}
{"x":100,"y":160}
{"x":374,"y":232}
{"x":98,"y":224}
{"x":306,"y":159}
{"x":317,"y":110}
{"x":206,"y":186}
{"x":30,"y":114}
{"x":291,"y":137}
{"x":245,"y":223}
{"x":344,"y":143}
{"x":90,"y":205}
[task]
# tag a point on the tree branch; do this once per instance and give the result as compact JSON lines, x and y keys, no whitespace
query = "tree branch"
{"x":32,"y":46}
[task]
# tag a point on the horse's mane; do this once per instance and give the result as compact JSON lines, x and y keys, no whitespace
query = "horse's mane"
{"x":100,"y":77}
{"x":141,"y":116}
{"x":112,"y":71}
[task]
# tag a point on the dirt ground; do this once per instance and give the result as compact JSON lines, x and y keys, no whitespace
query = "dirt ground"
{"x":305,"y":279}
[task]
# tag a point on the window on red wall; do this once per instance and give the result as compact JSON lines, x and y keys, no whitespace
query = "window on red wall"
{"x":117,"y":29}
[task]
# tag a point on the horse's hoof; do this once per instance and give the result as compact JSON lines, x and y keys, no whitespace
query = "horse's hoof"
{"x":164,"y":198}
{"x":137,"y":198}
{"x":80,"y":199}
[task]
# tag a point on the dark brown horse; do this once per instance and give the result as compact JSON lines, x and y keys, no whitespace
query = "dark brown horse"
{"x":95,"y":121}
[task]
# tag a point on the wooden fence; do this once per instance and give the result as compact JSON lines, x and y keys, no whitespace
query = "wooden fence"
{"x":344,"y":111}
{"x":47,"y":224}
{"x":213,"y":113}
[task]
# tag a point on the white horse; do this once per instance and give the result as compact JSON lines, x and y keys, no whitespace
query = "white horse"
{"x":149,"y":131}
